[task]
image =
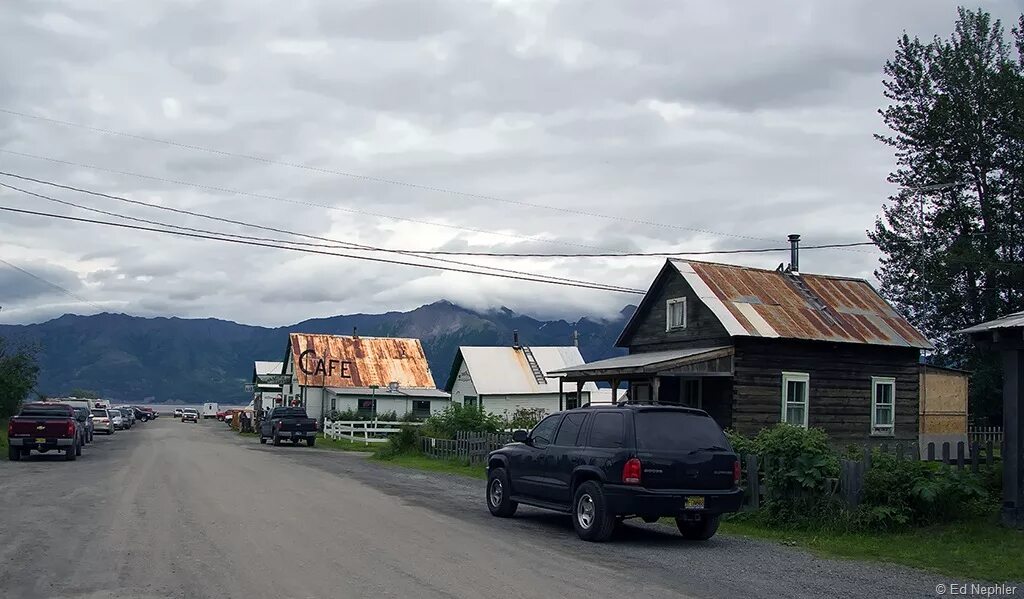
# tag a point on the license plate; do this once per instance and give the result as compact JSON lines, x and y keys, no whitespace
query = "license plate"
{"x":694,"y":503}
{"x":40,"y":440}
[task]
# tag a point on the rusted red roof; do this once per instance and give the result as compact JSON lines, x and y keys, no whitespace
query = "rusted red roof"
{"x":767,"y":303}
{"x":343,"y":361}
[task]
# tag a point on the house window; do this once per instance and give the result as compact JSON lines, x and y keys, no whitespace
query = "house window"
{"x":420,"y":408}
{"x":469,"y":401}
{"x":794,"y":397}
{"x":367,"y":406}
{"x":675,"y":314}
{"x":883,"y":405}
{"x":571,"y":401}
{"x":334,"y":403}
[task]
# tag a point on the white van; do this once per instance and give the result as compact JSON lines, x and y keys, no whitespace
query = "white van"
{"x":210,"y":410}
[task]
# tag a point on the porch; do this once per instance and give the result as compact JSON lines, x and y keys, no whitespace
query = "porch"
{"x":695,"y":377}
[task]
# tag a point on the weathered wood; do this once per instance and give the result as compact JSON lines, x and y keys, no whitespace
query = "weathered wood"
{"x":649,"y":322}
{"x":960,"y":455}
{"x":975,"y":459}
{"x":989,"y":458}
{"x":931,"y":451}
{"x":945,"y":452}
{"x":753,"y":483}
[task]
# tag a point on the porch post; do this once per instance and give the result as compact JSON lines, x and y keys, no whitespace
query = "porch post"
{"x":579,"y":393}
{"x":1013,"y":438}
{"x":655,"y":383}
{"x":561,"y":393}
{"x":615,"y":391}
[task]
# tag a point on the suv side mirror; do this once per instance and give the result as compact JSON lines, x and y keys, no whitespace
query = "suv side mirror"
{"x":520,"y":436}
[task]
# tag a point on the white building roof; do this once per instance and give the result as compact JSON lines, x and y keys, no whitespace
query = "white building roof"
{"x":505,"y":370}
{"x":269,"y":367}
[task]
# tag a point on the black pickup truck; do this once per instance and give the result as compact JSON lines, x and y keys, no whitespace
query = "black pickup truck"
{"x":288,"y":423}
{"x":604,"y":464}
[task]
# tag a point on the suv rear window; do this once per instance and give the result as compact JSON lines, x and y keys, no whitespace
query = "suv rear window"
{"x":670,"y":430}
{"x":608,"y":430}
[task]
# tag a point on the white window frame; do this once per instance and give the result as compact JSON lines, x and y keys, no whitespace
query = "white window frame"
{"x":888,"y":430}
{"x":668,"y":314}
{"x":805,"y":378}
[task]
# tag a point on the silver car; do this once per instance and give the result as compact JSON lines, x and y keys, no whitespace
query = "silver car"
{"x":102,"y":422}
{"x":117,"y":419}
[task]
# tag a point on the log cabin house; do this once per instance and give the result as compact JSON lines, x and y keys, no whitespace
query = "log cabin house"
{"x":756,"y":347}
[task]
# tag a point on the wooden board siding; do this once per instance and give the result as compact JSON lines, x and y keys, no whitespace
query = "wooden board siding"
{"x":701,"y":323}
{"x":943,"y":406}
{"x":839,"y":390}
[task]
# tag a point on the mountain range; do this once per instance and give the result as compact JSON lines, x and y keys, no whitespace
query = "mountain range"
{"x":157,"y":360}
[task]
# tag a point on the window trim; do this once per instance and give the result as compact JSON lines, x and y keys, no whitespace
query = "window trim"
{"x":668,"y":314}
{"x":882,"y":380}
{"x":470,"y":400}
{"x":805,"y":378}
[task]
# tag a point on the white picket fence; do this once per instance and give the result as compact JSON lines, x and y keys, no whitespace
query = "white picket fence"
{"x":365,"y":431}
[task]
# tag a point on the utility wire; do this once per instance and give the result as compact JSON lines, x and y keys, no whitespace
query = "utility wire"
{"x":595,"y":286}
{"x":217,"y":189}
{"x":373,"y":178}
{"x":336,"y":244}
{"x":51,"y":284}
{"x":666,"y":253}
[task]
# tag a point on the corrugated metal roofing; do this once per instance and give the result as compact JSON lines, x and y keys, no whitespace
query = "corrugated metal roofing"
{"x":767,"y":303}
{"x":643,"y":359}
{"x":347,"y":362}
{"x":1006,"y":322}
{"x":269,"y":367}
{"x":503,"y":370}
{"x":384,"y":393}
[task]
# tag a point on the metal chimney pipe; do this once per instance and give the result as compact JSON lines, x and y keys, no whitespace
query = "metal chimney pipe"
{"x":355,"y":332}
{"x":794,"y":253}
{"x":515,"y":338}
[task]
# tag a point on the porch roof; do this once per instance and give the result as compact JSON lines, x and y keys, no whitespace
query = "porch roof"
{"x":645,"y":363}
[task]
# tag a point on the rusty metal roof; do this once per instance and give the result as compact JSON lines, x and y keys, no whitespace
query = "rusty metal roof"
{"x":343,"y":361}
{"x":754,"y":302}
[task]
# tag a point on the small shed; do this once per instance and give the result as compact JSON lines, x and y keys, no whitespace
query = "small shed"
{"x":943,"y":407}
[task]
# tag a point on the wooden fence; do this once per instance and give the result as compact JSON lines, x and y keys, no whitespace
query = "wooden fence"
{"x":365,"y":431}
{"x":983,"y":434}
{"x":465,"y":447}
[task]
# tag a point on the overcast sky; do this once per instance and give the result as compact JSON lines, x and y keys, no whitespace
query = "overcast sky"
{"x":625,"y":126}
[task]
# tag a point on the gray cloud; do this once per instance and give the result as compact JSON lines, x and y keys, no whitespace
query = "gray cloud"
{"x":735,"y":123}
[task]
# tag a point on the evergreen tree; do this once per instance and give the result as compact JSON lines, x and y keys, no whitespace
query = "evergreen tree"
{"x":953,"y":236}
{"x":18,"y":374}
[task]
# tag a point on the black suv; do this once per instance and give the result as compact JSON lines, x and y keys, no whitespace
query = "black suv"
{"x":603,"y":464}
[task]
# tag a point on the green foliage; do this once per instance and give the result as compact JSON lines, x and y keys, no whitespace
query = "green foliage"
{"x":526,"y":418}
{"x":18,"y":375}
{"x":3,"y":433}
{"x":349,"y":414}
{"x":404,"y":442}
{"x":952,"y":254}
{"x":391,"y":416}
{"x":455,"y":418}
{"x":84,"y":394}
{"x":740,"y":444}
{"x":807,"y":461}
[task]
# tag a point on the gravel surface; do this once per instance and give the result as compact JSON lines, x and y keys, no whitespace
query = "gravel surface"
{"x":183,"y":510}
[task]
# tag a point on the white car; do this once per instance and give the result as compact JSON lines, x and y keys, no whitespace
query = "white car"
{"x":177,"y":412}
{"x":189,"y":415}
{"x":117,"y":419}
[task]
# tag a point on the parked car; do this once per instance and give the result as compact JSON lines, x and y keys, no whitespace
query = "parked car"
{"x":44,"y":427}
{"x":117,"y":419}
{"x":177,"y":412}
{"x":86,"y":405}
{"x":141,"y":415}
{"x":101,"y":421}
{"x":84,"y":418}
{"x":128,"y":415}
{"x":210,"y":410}
{"x":189,"y":415}
{"x":288,"y":423}
{"x":603,"y":464}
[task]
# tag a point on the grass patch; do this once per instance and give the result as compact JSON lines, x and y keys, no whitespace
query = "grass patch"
{"x":3,"y":433}
{"x":342,"y":444}
{"x":978,"y":549}
{"x":421,"y":462}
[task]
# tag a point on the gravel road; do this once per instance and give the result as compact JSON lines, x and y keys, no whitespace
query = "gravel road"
{"x":183,"y":510}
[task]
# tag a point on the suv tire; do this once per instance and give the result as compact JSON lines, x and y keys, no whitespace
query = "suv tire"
{"x":590,"y":515}
{"x":499,"y":494}
{"x":698,"y":530}
{"x":78,"y":449}
{"x":263,"y":440}
{"x":277,"y":440}
{"x":69,"y":455}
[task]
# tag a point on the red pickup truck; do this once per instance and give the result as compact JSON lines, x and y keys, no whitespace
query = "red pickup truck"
{"x":44,"y":426}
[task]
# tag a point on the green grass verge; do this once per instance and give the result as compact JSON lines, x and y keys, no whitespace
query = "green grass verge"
{"x":3,"y":433}
{"x":978,"y":549}
{"x":421,"y":462}
{"x":342,"y":444}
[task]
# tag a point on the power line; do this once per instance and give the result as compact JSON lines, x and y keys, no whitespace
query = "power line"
{"x":51,"y":284}
{"x":218,"y":189}
{"x":338,"y":244}
{"x":588,"y":285}
{"x":373,"y":178}
{"x":666,"y":253}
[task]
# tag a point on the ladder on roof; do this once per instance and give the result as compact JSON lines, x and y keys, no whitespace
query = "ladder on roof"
{"x":812,"y":298}
{"x":534,"y":367}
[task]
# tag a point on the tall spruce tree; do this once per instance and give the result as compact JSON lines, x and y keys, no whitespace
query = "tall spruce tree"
{"x":953,"y":236}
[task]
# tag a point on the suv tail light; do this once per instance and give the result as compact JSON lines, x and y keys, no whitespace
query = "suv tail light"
{"x":316,"y":426}
{"x":631,"y":471}
{"x":10,"y":428}
{"x":736,"y":472}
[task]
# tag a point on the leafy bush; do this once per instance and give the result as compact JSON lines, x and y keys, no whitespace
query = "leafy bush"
{"x":807,"y":461}
{"x":406,"y":441}
{"x":349,"y":414}
{"x":455,"y":418}
{"x":391,"y":416}
{"x":526,"y":418}
{"x":740,"y":444}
